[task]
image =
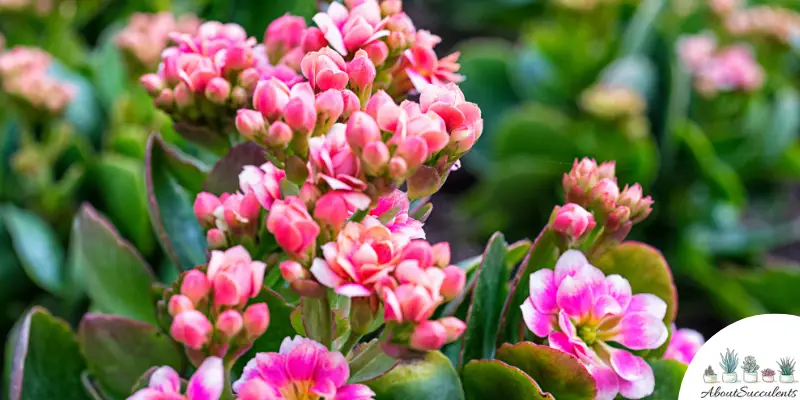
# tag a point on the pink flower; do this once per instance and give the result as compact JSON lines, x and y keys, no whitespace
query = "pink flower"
{"x":205,"y":204}
{"x":734,"y":68}
{"x":264,"y":182}
{"x":270,"y":97}
{"x":165,"y":384}
{"x":300,"y":112}
{"x":409,"y":303}
{"x":325,"y":69}
{"x":191,"y":328}
{"x":361,"y":70}
{"x":582,"y":178}
{"x":359,"y":259}
{"x":696,"y":50}
{"x":348,"y":30}
{"x":256,"y":320}
{"x":334,"y":208}
{"x":333,"y":161}
{"x":294,"y":229}
{"x":631,"y":197}
{"x":573,"y":221}
{"x":684,"y":345}
{"x":579,"y":310}
{"x":234,"y":276}
{"x":425,"y":68}
{"x":302,"y":369}
{"x":284,"y":34}
{"x":238,"y":212}
{"x":462,"y":118}
{"x":392,"y":211}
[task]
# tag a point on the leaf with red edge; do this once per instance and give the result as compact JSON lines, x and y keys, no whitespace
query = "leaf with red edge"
{"x":558,"y":373}
{"x":646,"y":269}
{"x":492,"y":379}
{"x":224,"y":176}
{"x":108,"y":341}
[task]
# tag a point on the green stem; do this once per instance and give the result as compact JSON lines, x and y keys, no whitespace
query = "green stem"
{"x":227,"y":390}
{"x":350,"y":343}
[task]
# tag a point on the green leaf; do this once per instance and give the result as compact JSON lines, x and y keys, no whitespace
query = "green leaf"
{"x":430,"y":377}
{"x":669,"y":375}
{"x":280,"y":314}
{"x":483,"y":318}
{"x":492,"y":379}
{"x":369,"y":362}
{"x":775,"y":289}
{"x":113,"y":272}
{"x":119,"y":182}
{"x":37,"y":247}
{"x":170,"y":203}
{"x":83,"y":112}
{"x":558,"y":373}
{"x":91,"y":386}
{"x":784,"y":125}
{"x":13,"y":281}
{"x":536,"y":130}
{"x":47,"y":363}
{"x":646,"y":269}
{"x":224,"y":176}
{"x":638,"y":34}
{"x":107,"y":67}
{"x":119,"y":350}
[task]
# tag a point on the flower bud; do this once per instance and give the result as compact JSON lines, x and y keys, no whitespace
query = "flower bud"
{"x":361,"y":130}
{"x":617,"y":218}
{"x":239,"y":57}
{"x":377,"y":51}
{"x":279,"y":135}
{"x":183,"y":96}
{"x":270,"y":98}
{"x":191,"y":328}
{"x":375,"y":156}
{"x":248,"y":78}
{"x":454,"y":328}
{"x":178,"y":304}
{"x":216,"y":239}
{"x":573,"y":220}
{"x":300,"y":115}
{"x":292,"y":271}
{"x":239,"y":97}
{"x":230,"y":323}
{"x":204,"y":206}
{"x":605,"y":193}
{"x":195,"y":286}
{"x":256,"y":320}
{"x":308,"y":288}
{"x":397,"y":40}
{"x":441,"y":254}
{"x":428,"y":336}
{"x":414,"y":150}
{"x":249,"y":123}
{"x":398,"y":168}
{"x":351,"y":103}
{"x":454,"y":280}
{"x":218,"y":90}
{"x":330,"y":105}
{"x":152,"y":83}
{"x":606,"y":170}
{"x":313,"y":40}
{"x":361,"y":70}
{"x":165,"y":99}
{"x":331,"y":209}
{"x":284,"y":33}
{"x":391,"y":7}
{"x":424,"y":182}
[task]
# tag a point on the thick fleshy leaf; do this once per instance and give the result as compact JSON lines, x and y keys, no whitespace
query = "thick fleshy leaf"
{"x":669,"y":375}
{"x":279,"y":328}
{"x":488,"y":295}
{"x":172,"y":184}
{"x":13,"y":281}
{"x":224,"y":176}
{"x":119,"y":350}
{"x":784,"y":127}
{"x":646,"y":269}
{"x":37,"y":248}
{"x":492,"y":379}
{"x":543,"y":254}
{"x":775,"y":288}
{"x":369,"y":362}
{"x":114,"y":274}
{"x":47,"y":362}
{"x":429,"y":377}
{"x":558,"y":373}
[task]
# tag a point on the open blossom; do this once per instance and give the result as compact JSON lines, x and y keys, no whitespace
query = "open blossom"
{"x":302,"y":370}
{"x":580,"y":310}
{"x":207,"y":383}
{"x":347,"y":29}
{"x":425,"y":68}
{"x":263,"y":181}
{"x":392,"y":211}
{"x":684,"y":344}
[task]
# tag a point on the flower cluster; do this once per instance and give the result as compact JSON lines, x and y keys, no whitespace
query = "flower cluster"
{"x":778,"y":23}
{"x":209,"y":306}
{"x":580,"y":311}
{"x":302,"y":369}
{"x":147,"y":35}
{"x":732,"y":68}
{"x":684,"y":344}
{"x":24,"y":77}
{"x":165,"y":384}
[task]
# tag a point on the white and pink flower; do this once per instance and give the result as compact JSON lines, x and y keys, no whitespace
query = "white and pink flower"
{"x":580,"y":310}
{"x":347,"y":29}
{"x":207,"y":383}
{"x":392,"y":211}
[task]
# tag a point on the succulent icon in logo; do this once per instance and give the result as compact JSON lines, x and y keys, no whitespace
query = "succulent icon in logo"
{"x":768,"y":375}
{"x":750,"y":368}
{"x":729,"y":362}
{"x":786,"y":366}
{"x":710,"y":376}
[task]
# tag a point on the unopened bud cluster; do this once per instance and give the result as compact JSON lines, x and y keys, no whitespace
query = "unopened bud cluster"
{"x":24,"y":77}
{"x":147,"y":35}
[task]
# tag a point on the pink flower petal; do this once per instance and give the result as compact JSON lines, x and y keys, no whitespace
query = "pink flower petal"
{"x":540,"y":324}
{"x":641,"y":331}
{"x":628,"y":366}
{"x":301,"y":361}
{"x":354,"y":392}
{"x":324,"y":274}
{"x":332,"y":33}
{"x":353,"y":290}
{"x":208,"y":381}
{"x":419,"y":81}
{"x":566,"y":325}
{"x":543,"y":291}
{"x":605,"y":305}
{"x":165,"y":380}
{"x":560,"y":341}
{"x":332,"y":367}
{"x":607,"y":382}
{"x":647,"y":303}
{"x":574,"y":297}
{"x":641,"y":387}
{"x":620,"y":289}
{"x":569,"y":264}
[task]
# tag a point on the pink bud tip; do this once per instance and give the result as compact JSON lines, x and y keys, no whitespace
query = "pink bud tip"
{"x":218,"y":90}
{"x":375,"y":156}
{"x":165,"y":99}
{"x":454,"y":328}
{"x":183,"y":96}
{"x":441,"y":254}
{"x":378,"y":52}
{"x":178,"y":304}
{"x":299,"y":115}
{"x":351,"y":103}
{"x":216,"y":239}
{"x":256,"y":320}
{"x":398,"y":169}
{"x":362,"y":130}
{"x":249,"y":123}
{"x":313,"y":40}
{"x":195,"y":286}
{"x":292,"y":271}
{"x":361,"y":70}
{"x":428,"y":336}
{"x":191,"y":328}
{"x":414,"y":150}
{"x":248,"y":78}
{"x":152,"y":83}
{"x":279,"y":135}
{"x":606,"y":190}
{"x":454,"y":280}
{"x":204,"y":206}
{"x":230,"y":323}
{"x":330,"y":104}
{"x":331,"y":209}
{"x":573,"y":221}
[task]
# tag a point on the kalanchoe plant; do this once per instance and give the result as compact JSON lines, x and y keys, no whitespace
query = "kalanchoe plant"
{"x":729,"y":361}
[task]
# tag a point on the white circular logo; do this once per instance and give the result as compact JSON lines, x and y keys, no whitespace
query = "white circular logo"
{"x":755,"y":358}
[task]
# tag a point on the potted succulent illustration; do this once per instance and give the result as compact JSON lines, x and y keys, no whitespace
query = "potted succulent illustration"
{"x":710,"y":376}
{"x":750,"y":368}
{"x":786,"y":366}
{"x":729,"y":363}
{"x":768,"y":375}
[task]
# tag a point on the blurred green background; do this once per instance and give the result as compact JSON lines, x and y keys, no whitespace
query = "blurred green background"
{"x":715,"y":145}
